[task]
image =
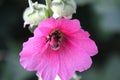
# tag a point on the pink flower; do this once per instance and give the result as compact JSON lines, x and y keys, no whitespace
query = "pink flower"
{"x":59,"y":47}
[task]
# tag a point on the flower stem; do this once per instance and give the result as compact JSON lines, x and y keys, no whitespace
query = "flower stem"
{"x":48,"y":3}
{"x":30,"y":4}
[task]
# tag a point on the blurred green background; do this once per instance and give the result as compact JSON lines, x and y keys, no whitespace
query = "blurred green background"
{"x":101,"y":18}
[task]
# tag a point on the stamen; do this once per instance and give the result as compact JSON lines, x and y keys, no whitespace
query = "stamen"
{"x":54,"y":39}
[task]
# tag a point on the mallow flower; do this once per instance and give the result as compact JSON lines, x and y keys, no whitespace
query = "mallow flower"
{"x":59,"y":47}
{"x":34,"y":14}
{"x":63,"y":8}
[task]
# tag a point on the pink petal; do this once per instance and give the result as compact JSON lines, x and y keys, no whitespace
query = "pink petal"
{"x":48,"y":65}
{"x":72,"y":58}
{"x":42,"y":31}
{"x":37,"y":56}
{"x":89,"y":46}
{"x":31,"y":48}
{"x":69,"y":26}
{"x":45,"y":27}
{"x":65,"y":25}
{"x":48,"y":23}
{"x":80,"y":34}
{"x":82,"y":39}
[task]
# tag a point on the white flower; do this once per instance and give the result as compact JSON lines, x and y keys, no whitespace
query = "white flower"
{"x":63,"y":8}
{"x":34,"y":14}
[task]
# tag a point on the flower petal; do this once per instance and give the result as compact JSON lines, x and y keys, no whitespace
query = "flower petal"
{"x":30,"y":48}
{"x":65,"y":25}
{"x":36,"y":57}
{"x":48,"y":23}
{"x":48,"y":65}
{"x":89,"y":46}
{"x":82,"y":39}
{"x":45,"y":27}
{"x":42,"y":31}
{"x":69,"y":26}
{"x":72,"y":58}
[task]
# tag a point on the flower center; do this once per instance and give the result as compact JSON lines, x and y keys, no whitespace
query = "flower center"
{"x":54,"y":39}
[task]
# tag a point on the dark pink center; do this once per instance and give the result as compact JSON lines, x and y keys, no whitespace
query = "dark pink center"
{"x":54,"y":39}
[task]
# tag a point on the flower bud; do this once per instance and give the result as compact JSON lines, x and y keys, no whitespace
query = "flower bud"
{"x":34,"y":14}
{"x":63,"y":8}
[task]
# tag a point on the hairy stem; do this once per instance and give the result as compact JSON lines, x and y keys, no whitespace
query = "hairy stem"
{"x":48,"y":3}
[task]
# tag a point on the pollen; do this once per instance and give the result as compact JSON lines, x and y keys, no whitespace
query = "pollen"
{"x":54,"y":39}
